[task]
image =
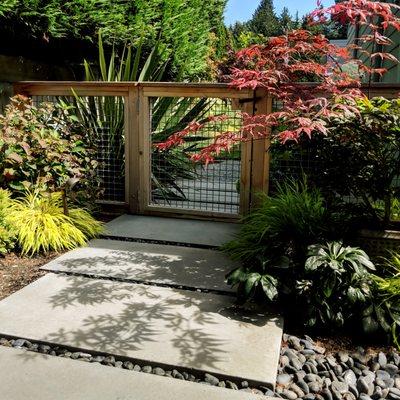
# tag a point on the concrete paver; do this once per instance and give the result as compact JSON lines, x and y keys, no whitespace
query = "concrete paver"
{"x":200,"y":331}
{"x":173,"y":265}
{"x":195,"y":232}
{"x":26,"y":375}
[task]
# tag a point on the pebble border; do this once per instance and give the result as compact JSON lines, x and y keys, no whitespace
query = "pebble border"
{"x":306,"y":372}
{"x":119,"y":362}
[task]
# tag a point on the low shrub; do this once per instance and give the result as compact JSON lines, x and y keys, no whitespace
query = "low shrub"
{"x":336,"y":281}
{"x":41,"y":224}
{"x":360,"y":158}
{"x":274,"y":238}
{"x":42,"y":147}
{"x":320,"y":285}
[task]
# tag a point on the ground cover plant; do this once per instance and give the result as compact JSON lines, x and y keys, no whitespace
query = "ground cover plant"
{"x":384,"y":312}
{"x":7,"y":233}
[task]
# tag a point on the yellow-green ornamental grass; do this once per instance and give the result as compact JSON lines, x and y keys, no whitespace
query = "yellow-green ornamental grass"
{"x":41,"y":225}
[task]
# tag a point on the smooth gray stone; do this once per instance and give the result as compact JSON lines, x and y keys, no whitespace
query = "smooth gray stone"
{"x":382,"y":359}
{"x":350,"y":377}
{"x":283,"y":379}
{"x":382,"y":374}
{"x":196,"y":232}
{"x":144,"y":262}
{"x":159,"y":325}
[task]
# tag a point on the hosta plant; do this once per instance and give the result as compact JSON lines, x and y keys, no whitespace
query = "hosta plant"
{"x":41,"y":224}
{"x":336,"y":280}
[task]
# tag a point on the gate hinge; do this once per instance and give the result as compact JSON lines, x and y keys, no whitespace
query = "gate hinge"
{"x":249,"y":100}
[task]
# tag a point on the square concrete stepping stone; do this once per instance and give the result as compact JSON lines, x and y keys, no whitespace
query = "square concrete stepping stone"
{"x":172,"y":265}
{"x":163,"y":326}
{"x":195,"y":232}
{"x":26,"y":375}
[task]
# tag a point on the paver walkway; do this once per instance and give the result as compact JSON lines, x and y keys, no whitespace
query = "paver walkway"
{"x":193,"y":232}
{"x":167,"y":326}
{"x":144,"y":262}
{"x":34,"y":376}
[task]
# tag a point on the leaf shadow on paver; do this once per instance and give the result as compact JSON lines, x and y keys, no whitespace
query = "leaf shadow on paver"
{"x":137,"y":321}
{"x":152,"y":267}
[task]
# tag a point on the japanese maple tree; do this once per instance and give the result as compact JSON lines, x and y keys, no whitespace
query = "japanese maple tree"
{"x":284,"y":65}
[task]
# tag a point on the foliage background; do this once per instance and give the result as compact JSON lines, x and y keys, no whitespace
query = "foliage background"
{"x":190,"y":31}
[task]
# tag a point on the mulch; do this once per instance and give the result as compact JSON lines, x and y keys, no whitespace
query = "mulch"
{"x":17,"y":272}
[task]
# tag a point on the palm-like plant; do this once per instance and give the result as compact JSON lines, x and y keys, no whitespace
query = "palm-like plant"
{"x":169,"y":114}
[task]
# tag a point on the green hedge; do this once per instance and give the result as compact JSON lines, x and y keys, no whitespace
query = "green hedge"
{"x":186,"y":26}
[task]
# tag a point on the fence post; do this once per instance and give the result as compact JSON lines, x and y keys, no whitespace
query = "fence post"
{"x":261,"y":147}
{"x":132,"y":149}
{"x":255,"y":155}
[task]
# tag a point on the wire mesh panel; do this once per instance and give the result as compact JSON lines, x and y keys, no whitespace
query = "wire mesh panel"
{"x":176,"y":181}
{"x":102,"y":119}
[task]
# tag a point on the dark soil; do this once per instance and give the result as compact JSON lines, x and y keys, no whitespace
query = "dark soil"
{"x":17,"y":272}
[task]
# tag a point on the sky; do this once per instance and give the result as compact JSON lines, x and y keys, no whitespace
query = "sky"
{"x":242,"y":10}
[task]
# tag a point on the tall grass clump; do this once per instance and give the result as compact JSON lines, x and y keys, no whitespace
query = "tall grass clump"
{"x":384,"y":312}
{"x":292,"y":219}
{"x":41,"y":224}
{"x":273,"y":240}
{"x":7,"y":236}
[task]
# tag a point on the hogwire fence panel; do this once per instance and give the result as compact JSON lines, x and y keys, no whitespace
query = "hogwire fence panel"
{"x":154,"y":182}
{"x":130,"y":117}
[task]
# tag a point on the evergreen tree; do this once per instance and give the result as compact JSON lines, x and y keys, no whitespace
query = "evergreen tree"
{"x":238,"y":28}
{"x":264,"y":20}
{"x":285,"y":20}
{"x":296,"y":22}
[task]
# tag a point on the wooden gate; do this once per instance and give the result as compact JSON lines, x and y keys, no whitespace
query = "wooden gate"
{"x":165,"y":182}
